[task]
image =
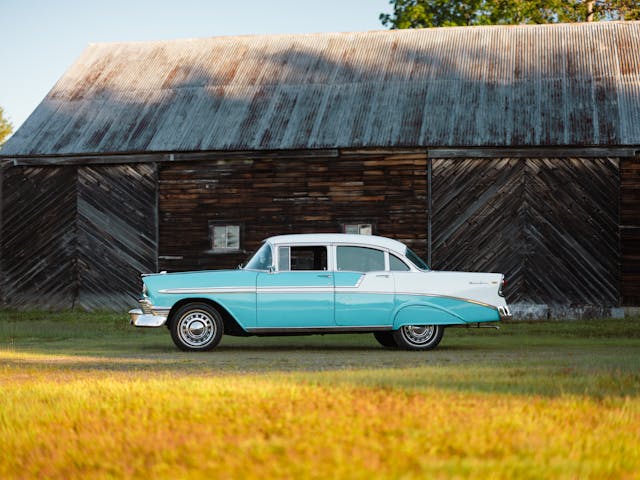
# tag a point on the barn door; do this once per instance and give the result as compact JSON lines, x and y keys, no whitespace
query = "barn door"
{"x":549,"y":224}
{"x":37,"y":248}
{"x":117,"y":233}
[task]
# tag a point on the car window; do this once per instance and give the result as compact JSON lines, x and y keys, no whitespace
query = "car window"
{"x":360,"y":259}
{"x":397,"y":265}
{"x":262,"y":259}
{"x":302,"y":258}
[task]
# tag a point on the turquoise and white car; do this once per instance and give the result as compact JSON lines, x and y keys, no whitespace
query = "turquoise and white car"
{"x":321,"y":283}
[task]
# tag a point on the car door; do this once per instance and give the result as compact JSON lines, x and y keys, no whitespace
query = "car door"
{"x":299,"y":293}
{"x":365,"y":292}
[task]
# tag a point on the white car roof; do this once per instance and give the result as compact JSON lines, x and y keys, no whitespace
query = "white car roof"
{"x":341,"y":238}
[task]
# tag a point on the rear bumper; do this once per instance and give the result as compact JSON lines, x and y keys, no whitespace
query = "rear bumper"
{"x":138,"y":318}
{"x":504,"y":312}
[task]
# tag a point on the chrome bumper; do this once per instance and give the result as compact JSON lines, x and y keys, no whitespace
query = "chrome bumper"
{"x":138,"y":318}
{"x":504,"y":312}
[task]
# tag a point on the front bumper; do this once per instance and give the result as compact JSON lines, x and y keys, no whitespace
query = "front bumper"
{"x":148,"y":315}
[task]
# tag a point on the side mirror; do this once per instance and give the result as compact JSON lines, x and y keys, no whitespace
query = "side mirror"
{"x":271,"y":269}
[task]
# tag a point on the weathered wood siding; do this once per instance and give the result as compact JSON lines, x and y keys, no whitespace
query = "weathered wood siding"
{"x":39,"y":237}
{"x":116,"y":234}
{"x":270,"y":196}
{"x":77,"y":236}
{"x":549,"y":224}
{"x":630,"y":230}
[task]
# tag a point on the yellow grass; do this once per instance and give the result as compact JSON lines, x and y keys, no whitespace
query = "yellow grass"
{"x":536,"y":401}
{"x":68,"y":423}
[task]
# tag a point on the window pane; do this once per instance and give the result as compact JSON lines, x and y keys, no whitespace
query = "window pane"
{"x":283,"y":262}
{"x":360,"y":259}
{"x":308,"y":258}
{"x":261,"y":260}
{"x":365,"y":229}
{"x":397,"y":265}
{"x":358,"y":228}
{"x":233,"y":237}
{"x":219,"y":237}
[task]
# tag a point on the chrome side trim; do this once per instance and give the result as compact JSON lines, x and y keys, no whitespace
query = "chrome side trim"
{"x":328,"y":329}
{"x":207,"y":290}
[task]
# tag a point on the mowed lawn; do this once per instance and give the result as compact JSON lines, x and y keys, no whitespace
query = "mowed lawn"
{"x":87,"y":396}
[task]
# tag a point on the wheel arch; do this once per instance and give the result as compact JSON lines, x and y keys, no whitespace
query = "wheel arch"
{"x":424,"y":313}
{"x":231,"y":325}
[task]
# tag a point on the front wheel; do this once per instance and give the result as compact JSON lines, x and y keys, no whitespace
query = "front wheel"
{"x":418,"y":337}
{"x":196,"y":327}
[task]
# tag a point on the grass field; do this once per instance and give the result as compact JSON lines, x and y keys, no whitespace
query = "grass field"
{"x":87,"y":396}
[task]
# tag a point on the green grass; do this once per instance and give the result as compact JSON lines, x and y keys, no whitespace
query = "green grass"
{"x":86,"y":395}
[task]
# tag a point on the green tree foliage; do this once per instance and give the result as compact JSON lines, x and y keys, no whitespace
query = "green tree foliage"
{"x":442,"y":13}
{"x":5,"y":127}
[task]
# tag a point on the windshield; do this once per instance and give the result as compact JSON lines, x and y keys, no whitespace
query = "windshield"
{"x":261,"y":260}
{"x":416,"y":260}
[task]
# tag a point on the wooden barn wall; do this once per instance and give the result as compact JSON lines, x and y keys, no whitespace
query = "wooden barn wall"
{"x":551,"y":225}
{"x":39,"y":237}
{"x":630,"y":230}
{"x":269,"y":196}
{"x":77,"y":236}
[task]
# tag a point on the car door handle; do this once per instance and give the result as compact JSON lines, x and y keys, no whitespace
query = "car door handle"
{"x":326,"y":275}
{"x":382,"y":276}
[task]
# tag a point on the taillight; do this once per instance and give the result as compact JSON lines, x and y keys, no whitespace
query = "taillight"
{"x":502,"y":285}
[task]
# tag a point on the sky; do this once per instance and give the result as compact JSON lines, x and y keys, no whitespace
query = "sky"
{"x":42,"y":38}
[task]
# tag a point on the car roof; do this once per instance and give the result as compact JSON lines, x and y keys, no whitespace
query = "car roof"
{"x":341,"y":238}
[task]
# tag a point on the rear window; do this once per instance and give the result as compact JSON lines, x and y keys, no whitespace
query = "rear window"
{"x":360,"y":259}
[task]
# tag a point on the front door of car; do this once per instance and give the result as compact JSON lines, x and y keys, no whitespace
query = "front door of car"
{"x":299,"y":293}
{"x":365,"y":291}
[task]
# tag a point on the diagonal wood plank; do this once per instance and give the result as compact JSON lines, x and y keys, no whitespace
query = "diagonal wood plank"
{"x":38,"y":242}
{"x":116,"y":233}
{"x":549,"y":224}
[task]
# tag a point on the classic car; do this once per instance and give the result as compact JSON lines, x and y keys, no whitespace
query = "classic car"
{"x":321,"y":283}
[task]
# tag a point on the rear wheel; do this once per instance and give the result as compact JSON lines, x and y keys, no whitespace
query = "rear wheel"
{"x":196,"y":327}
{"x":385,"y":339}
{"x":418,"y":337}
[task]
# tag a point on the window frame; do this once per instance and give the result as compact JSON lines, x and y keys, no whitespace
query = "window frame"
{"x":226,"y":224}
{"x":289,"y":246}
{"x":359,"y":226}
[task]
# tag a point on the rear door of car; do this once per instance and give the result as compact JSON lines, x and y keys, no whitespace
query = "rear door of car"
{"x":364,"y":287}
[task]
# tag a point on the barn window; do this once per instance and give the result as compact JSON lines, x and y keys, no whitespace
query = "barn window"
{"x":224,"y":238}
{"x":358,"y":228}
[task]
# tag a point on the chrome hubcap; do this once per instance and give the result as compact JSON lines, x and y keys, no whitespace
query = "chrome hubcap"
{"x":419,"y":335}
{"x":196,"y":328}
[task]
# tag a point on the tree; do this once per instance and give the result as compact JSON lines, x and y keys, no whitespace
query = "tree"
{"x":5,"y":127}
{"x":442,"y":13}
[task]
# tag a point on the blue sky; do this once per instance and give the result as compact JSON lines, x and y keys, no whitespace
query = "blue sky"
{"x":42,"y":38}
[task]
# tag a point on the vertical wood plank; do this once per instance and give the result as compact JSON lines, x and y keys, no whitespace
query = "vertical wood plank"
{"x":630,"y":230}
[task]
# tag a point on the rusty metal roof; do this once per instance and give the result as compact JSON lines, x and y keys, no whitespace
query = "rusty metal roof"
{"x":543,"y":85}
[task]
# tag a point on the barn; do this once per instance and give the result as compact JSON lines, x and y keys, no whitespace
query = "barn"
{"x":506,"y":148}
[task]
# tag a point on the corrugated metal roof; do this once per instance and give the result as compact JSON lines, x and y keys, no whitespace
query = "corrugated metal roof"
{"x":544,"y":85}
